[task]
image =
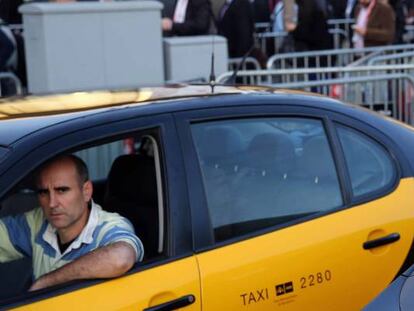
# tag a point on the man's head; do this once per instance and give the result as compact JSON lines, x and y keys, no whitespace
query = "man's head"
{"x":64,"y":191}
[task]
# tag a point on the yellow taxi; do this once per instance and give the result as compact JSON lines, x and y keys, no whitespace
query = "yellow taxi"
{"x":245,"y":198}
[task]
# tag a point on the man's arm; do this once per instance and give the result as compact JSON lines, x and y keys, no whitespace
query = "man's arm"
{"x":106,"y":262}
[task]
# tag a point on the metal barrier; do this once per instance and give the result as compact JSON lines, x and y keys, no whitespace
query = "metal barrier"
{"x":10,"y":80}
{"x":331,"y":58}
{"x":342,"y":26}
{"x":408,"y":36}
{"x":272,"y":76}
{"x":342,"y":23}
{"x":389,"y":94}
{"x":277,"y":76}
{"x":340,"y":29}
{"x":394,"y":59}
{"x":260,"y":27}
{"x":276,"y":40}
{"x":249,"y":63}
{"x":386,"y":88}
{"x":15,"y":27}
{"x":338,"y":35}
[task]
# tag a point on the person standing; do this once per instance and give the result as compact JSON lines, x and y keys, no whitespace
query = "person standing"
{"x":235,"y":22}
{"x":190,"y":18}
{"x":375,"y":24}
{"x":311,"y":32}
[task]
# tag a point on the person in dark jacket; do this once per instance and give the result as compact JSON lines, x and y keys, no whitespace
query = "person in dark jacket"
{"x":311,"y":32}
{"x":236,"y":24}
{"x":191,"y":17}
{"x":6,"y":49}
{"x":337,"y":9}
{"x":398,"y":8}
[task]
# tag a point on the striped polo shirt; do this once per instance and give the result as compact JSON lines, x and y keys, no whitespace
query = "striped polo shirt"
{"x":31,"y":235}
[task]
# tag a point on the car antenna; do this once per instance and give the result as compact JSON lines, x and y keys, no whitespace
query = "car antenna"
{"x":212,"y":79}
{"x":232,"y":79}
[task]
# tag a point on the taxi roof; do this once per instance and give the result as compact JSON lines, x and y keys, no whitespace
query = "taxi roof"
{"x":32,"y":106}
{"x":21,"y":116}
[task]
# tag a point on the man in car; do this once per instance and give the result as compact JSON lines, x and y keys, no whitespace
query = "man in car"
{"x":69,"y":237}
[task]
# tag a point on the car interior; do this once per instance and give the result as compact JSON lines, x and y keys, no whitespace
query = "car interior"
{"x":263,"y":180}
{"x":132,"y":187}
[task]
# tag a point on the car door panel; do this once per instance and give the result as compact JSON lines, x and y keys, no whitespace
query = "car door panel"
{"x":316,"y":265}
{"x":167,"y":277}
{"x":135,"y":291}
{"x":317,"y":262}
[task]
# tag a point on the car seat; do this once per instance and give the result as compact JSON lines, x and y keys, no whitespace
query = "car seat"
{"x":132,"y":192}
{"x":221,"y":147}
{"x":271,"y":153}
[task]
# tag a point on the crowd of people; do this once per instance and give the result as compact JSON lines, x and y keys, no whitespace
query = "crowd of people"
{"x":377,"y":22}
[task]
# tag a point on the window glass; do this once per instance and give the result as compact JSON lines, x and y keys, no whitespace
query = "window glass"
{"x":369,"y":164}
{"x":262,"y":172}
{"x":124,"y":174}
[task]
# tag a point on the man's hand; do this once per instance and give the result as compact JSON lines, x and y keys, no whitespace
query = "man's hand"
{"x":166,"y":24}
{"x":290,"y":26}
{"x":105,"y":262}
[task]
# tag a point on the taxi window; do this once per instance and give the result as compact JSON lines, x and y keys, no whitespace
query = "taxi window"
{"x":259,"y":173}
{"x":369,"y":164}
{"x":126,"y":179}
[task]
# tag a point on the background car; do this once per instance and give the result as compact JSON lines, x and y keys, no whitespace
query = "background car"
{"x":397,"y":296}
{"x":243,"y":197}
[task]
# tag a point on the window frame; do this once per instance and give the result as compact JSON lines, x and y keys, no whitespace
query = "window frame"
{"x":177,"y":237}
{"x":202,"y":229}
{"x":388,"y":146}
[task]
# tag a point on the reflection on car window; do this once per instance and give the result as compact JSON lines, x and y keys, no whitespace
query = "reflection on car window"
{"x":370,"y":166}
{"x":262,"y":172}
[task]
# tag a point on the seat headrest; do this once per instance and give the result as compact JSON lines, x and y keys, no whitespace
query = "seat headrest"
{"x":272,"y":151}
{"x":220,"y":142}
{"x":132,"y":178}
{"x":317,"y":157}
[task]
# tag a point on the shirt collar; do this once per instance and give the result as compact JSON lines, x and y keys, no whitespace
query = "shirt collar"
{"x":85,"y":237}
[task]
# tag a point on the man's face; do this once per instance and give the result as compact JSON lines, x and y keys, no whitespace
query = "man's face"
{"x":365,"y":3}
{"x":64,"y":198}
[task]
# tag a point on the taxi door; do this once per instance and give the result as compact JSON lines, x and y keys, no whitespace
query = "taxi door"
{"x":317,"y":265}
{"x":291,"y":233}
{"x":166,"y":287}
{"x":166,"y":281}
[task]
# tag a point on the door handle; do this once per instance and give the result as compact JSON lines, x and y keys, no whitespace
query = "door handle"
{"x":173,"y":304}
{"x":391,"y":238}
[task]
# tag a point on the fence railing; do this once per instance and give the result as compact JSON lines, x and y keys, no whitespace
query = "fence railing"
{"x":248,"y":63}
{"x":342,"y":26}
{"x":10,"y":84}
{"x":390,"y":94}
{"x":273,"y":76}
{"x":340,"y":29}
{"x":331,"y":58}
{"x":387,"y":88}
{"x":270,"y":38}
{"x":394,"y":59}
